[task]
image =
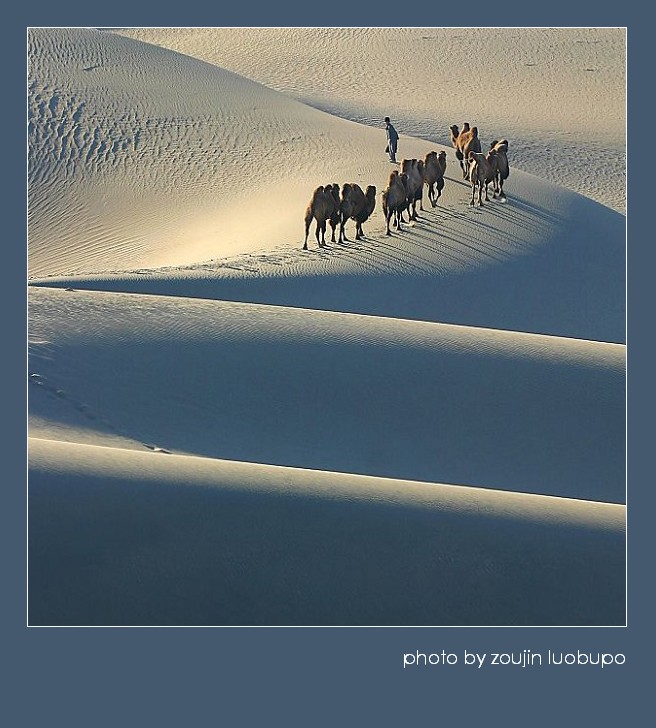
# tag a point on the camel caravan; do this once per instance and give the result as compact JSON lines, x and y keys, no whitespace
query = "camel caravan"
{"x":405,"y":188}
{"x":329,"y":206}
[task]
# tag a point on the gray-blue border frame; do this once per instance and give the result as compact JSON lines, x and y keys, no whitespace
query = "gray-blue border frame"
{"x":313,"y":677}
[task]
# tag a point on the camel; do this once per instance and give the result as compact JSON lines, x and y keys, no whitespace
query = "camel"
{"x":419,"y":194}
{"x":320,"y":208}
{"x":481,"y":173}
{"x":352,"y":203}
{"x":466,"y":141}
{"x":434,"y":169}
{"x":414,"y":169}
{"x":395,"y":199}
{"x":334,"y":218}
{"x":469,"y":142}
{"x":365,"y":213}
{"x":455,"y":134}
{"x":500,"y":149}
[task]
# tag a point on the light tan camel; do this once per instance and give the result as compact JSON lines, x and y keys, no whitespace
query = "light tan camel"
{"x":500,"y":149}
{"x":481,"y":173}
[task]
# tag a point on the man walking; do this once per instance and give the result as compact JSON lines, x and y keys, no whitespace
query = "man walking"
{"x":392,"y":139}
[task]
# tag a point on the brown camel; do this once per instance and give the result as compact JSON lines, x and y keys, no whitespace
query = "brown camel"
{"x":320,"y":208}
{"x":434,"y":170}
{"x":455,"y":135}
{"x":395,"y":200}
{"x":334,"y":218}
{"x":352,"y":203}
{"x":365,"y":213}
{"x":414,"y":169}
{"x":464,"y":141}
{"x":468,"y":141}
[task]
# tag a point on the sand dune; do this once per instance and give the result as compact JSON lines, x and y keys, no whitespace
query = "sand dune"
{"x":547,"y":262}
{"x":518,"y":267}
{"x":559,"y":94}
{"x":337,"y":392}
{"x":426,"y":428}
{"x":151,"y":537}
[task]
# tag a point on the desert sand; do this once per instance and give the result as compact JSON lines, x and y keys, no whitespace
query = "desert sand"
{"x":426,"y":428}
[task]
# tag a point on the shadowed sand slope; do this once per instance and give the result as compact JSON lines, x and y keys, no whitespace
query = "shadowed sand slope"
{"x":334,"y":391}
{"x":522,"y":266}
{"x":164,"y":539}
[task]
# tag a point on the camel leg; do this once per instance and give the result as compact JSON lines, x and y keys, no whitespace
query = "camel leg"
{"x":307,"y":232}
{"x":342,"y":231}
{"x":471,"y":204}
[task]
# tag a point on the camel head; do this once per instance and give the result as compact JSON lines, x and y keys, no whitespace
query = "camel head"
{"x":454,"y":130}
{"x":474,"y":131}
{"x":442,"y":155}
{"x":465,"y":126}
